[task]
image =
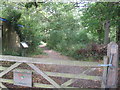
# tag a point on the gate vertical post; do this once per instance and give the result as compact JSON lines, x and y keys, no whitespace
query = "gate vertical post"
{"x":1,"y":37}
{"x":104,"y":77}
{"x":112,"y":74}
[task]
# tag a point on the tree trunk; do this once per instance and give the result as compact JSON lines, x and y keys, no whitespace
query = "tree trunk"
{"x":99,"y":31}
{"x":118,"y":35}
{"x":118,"y":38}
{"x":10,"y":40}
{"x":107,"y":31}
{"x":13,"y":39}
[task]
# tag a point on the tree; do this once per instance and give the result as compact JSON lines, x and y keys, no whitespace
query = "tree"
{"x":99,"y":17}
{"x":10,"y":28}
{"x":16,"y":14}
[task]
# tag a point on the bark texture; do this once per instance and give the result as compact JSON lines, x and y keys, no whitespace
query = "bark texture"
{"x":107,"y":31}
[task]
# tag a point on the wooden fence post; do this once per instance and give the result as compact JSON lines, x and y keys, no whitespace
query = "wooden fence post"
{"x":112,"y":73}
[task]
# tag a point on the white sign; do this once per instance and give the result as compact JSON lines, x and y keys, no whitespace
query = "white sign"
{"x":24,"y":44}
{"x":23,"y":78}
{"x":113,"y":49}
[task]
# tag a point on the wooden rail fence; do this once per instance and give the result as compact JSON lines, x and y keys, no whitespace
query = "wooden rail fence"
{"x":107,"y":81}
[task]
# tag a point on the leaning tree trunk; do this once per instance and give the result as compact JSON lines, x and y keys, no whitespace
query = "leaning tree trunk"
{"x":107,"y":31}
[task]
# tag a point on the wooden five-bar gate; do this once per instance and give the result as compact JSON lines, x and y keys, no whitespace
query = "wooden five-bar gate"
{"x":109,"y":78}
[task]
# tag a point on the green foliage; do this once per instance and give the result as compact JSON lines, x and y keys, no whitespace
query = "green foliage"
{"x":30,"y":32}
{"x":11,"y":14}
{"x":68,"y":42}
{"x":64,"y":31}
{"x":36,"y":51}
{"x":95,"y":16}
{"x":59,"y":24}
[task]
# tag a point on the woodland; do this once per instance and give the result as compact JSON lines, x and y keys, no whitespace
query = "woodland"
{"x":80,"y":30}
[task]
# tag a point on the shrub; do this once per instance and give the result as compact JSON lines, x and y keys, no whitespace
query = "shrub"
{"x":67,"y":41}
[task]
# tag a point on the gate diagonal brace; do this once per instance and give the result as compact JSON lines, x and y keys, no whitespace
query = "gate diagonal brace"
{"x":44,"y":75}
{"x":65,"y":84}
{"x":9,"y":69}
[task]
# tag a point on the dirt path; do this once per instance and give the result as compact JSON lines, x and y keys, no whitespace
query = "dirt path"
{"x":74,"y":70}
{"x":52,"y":54}
{"x":55,"y":55}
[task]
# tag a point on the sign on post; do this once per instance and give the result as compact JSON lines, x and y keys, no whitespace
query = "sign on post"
{"x":113,"y":49}
{"x":24,"y":44}
{"x":22,"y":78}
{"x":23,"y":48}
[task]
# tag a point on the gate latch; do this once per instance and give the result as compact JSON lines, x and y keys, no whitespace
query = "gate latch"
{"x":105,"y":65}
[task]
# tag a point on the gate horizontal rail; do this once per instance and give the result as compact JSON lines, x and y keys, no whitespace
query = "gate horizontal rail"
{"x":10,"y":81}
{"x":64,"y":75}
{"x":48,"y":61}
